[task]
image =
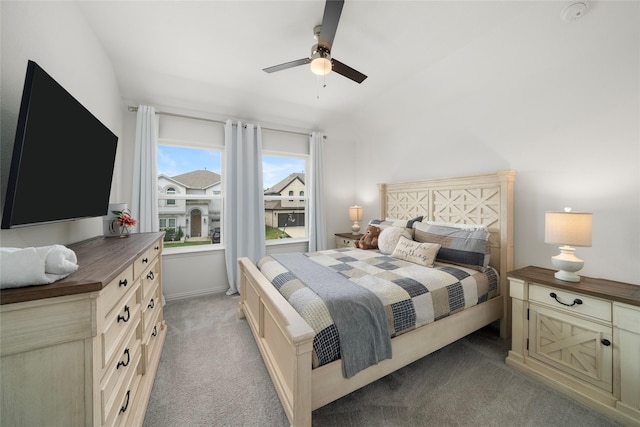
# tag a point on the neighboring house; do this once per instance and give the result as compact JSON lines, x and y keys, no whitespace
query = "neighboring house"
{"x":286,"y":212}
{"x":198,"y":216}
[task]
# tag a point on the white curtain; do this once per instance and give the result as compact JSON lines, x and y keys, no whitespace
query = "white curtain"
{"x":243,"y":221}
{"x":317,"y":219}
{"x":144,"y":205}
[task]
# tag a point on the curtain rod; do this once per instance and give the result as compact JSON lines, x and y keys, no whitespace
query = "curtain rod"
{"x":135,"y":109}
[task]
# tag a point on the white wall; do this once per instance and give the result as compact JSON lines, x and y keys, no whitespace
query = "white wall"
{"x":55,"y":36}
{"x":567,"y":118}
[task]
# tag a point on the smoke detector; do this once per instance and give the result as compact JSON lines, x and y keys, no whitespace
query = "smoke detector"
{"x":574,"y":11}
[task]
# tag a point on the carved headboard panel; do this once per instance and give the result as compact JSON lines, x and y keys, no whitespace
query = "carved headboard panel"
{"x":478,"y":199}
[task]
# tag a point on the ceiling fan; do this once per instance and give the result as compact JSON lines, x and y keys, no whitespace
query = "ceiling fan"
{"x":321,"y":61}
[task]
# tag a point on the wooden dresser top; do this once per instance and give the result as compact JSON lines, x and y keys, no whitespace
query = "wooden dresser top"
{"x":100,"y":260}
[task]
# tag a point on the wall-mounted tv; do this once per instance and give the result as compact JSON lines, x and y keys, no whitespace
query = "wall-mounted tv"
{"x":63,"y":157}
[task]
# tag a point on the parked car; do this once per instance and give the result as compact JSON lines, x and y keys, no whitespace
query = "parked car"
{"x":215,"y":236}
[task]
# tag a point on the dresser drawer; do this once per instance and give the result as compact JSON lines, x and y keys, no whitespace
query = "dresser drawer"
{"x":115,"y":290}
{"x":150,"y":278}
{"x":117,"y":405}
{"x":152,"y":304}
{"x":151,"y":338}
{"x":119,"y":322}
{"x":146,"y":259}
{"x":571,"y":302}
{"x":118,"y":371}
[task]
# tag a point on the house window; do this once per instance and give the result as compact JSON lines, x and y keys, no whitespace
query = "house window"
{"x":284,"y":176}
{"x":171,"y":202}
{"x":191,"y":203}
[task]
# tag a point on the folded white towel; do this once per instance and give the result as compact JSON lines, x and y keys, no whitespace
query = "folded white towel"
{"x":35,"y":266}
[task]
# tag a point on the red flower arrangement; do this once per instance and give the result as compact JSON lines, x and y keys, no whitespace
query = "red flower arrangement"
{"x":124,"y":218}
{"x":121,"y":223}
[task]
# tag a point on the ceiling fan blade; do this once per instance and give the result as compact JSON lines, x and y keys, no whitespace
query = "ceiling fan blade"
{"x":332,"y":12}
{"x":347,"y":71}
{"x":286,"y":65}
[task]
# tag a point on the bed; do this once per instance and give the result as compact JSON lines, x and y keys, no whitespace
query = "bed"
{"x":285,"y":339}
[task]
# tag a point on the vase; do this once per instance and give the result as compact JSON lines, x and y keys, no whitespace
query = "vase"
{"x":124,"y":231}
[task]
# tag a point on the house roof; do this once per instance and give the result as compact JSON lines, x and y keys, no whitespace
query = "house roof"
{"x":277,"y":188}
{"x":198,"y":179}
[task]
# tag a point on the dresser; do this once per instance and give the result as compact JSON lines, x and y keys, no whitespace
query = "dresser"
{"x":346,"y":240}
{"x":582,"y":339}
{"x":84,"y":351}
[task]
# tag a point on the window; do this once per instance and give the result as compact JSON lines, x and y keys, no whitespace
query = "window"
{"x":171,"y":202}
{"x":190,"y":194}
{"x":283,"y":177}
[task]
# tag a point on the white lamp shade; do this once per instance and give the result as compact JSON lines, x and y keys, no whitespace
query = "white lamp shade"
{"x":321,"y":66}
{"x":355,"y":213}
{"x":568,"y":228}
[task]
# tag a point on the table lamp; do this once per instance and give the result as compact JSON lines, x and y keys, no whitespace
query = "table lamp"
{"x":355,"y":215}
{"x":567,"y":229}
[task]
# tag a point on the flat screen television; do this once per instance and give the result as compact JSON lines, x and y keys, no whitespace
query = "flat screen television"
{"x":63,"y":157}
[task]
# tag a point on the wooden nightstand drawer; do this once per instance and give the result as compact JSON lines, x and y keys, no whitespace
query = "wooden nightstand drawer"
{"x":571,"y":302}
{"x":346,"y":240}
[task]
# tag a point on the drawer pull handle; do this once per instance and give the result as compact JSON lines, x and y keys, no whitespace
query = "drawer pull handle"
{"x":575,"y":301}
{"x":157,"y":248}
{"x":151,"y":304}
{"x":126,"y":310}
{"x":145,"y":260}
{"x":155,"y":331}
{"x":121,"y":363}
{"x":606,"y":342}
{"x":150,"y":276}
{"x":126,"y":404}
{"x":123,"y":282}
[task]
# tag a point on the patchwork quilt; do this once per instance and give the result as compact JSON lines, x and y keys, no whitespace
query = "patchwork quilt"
{"x":412,"y":295}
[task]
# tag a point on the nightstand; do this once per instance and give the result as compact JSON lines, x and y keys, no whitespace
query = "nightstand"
{"x":346,"y":240}
{"x":582,"y":339}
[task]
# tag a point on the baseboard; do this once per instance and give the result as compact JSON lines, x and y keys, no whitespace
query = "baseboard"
{"x":184,"y":295}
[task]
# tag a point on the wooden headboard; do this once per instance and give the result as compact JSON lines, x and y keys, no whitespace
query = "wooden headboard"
{"x":476,"y":199}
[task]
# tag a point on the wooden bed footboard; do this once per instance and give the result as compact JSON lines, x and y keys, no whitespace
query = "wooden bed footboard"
{"x":285,"y":341}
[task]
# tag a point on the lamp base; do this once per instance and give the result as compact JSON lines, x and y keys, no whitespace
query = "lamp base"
{"x":355,"y":228}
{"x":567,"y":264}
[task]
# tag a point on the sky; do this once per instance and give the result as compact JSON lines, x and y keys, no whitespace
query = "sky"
{"x":174,"y":161}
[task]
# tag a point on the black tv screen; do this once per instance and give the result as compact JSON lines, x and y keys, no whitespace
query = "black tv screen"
{"x":63,"y":157}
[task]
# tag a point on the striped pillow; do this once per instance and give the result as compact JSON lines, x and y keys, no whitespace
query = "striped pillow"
{"x":392,"y":222}
{"x":460,"y":244}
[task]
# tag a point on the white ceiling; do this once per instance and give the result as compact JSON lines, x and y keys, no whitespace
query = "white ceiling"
{"x":209,"y":55}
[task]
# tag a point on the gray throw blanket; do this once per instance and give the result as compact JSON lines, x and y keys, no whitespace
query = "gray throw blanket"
{"x":357,"y":313}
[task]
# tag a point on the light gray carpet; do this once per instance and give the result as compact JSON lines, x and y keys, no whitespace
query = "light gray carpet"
{"x":211,"y":374}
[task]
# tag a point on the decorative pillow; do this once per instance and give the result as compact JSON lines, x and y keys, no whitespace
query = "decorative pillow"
{"x":392,"y":222}
{"x":389,"y":237}
{"x":460,"y":244}
{"x":418,"y":253}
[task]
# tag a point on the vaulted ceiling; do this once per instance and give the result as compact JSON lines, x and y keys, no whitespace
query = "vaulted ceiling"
{"x":209,"y":55}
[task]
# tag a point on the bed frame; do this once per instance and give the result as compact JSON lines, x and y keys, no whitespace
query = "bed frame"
{"x":285,"y":340}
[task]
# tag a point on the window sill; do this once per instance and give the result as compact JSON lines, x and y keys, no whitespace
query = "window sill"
{"x":291,"y":240}
{"x":192,"y":249}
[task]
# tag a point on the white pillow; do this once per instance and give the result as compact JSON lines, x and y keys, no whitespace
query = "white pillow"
{"x":416,"y":252}
{"x":388,"y":238}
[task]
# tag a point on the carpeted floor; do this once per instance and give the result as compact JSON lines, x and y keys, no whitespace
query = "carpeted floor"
{"x":211,"y":374}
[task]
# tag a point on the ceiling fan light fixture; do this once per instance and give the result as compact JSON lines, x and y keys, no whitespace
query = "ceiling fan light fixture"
{"x":321,"y":66}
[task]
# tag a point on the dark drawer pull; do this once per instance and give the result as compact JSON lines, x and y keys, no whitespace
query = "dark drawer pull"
{"x":151,"y":276}
{"x":126,"y":404}
{"x":155,"y":331}
{"x":575,"y":301}
{"x":121,"y":363}
{"x":123,"y":282}
{"x":145,"y":260}
{"x":151,"y":304}
{"x":605,"y":342}
{"x":126,"y":310}
{"x":157,"y":248}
